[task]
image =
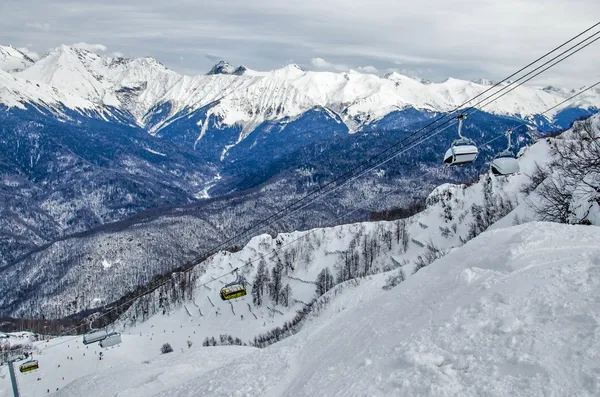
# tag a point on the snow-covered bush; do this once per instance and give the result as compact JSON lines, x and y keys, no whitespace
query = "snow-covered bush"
{"x":166,"y":348}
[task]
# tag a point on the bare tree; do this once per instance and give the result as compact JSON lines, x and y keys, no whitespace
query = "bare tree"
{"x":432,"y":253}
{"x":571,"y":189}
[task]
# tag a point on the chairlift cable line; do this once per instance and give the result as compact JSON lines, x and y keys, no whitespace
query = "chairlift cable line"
{"x":319,"y":189}
{"x":192,"y":262}
{"x":423,"y":137}
{"x":267,"y":221}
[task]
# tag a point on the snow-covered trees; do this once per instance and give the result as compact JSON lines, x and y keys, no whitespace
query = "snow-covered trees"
{"x":286,"y":295}
{"x":394,"y":279}
{"x":261,"y":283}
{"x":431,"y":253}
{"x":224,"y":340}
{"x":494,"y":207}
{"x":275,"y":287}
{"x":324,"y":281}
{"x":402,"y":236}
{"x":569,"y":190}
{"x":166,"y":348}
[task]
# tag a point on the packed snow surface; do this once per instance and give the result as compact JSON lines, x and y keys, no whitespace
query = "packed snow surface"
{"x":514,"y":312}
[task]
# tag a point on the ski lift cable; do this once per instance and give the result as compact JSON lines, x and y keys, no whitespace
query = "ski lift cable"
{"x":423,"y":138}
{"x":309,"y":195}
{"x":420,"y":139}
{"x":548,"y":67}
{"x":276,"y":250}
{"x":269,"y":220}
{"x":473,"y":108}
{"x":320,"y":190}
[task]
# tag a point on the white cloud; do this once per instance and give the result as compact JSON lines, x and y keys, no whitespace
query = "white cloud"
{"x":368,"y":69}
{"x":31,"y":54}
{"x":117,"y":54}
{"x":491,"y":40}
{"x":44,"y":27}
{"x":90,"y":47}
{"x":320,"y":63}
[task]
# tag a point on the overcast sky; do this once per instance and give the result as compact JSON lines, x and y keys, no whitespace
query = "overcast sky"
{"x":432,"y":39}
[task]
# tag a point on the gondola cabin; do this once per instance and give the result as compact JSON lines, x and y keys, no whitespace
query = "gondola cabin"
{"x":460,"y":154}
{"x":232,"y":291}
{"x":29,"y":366}
{"x":505,"y":164}
{"x":111,"y":340}
{"x":94,"y":336}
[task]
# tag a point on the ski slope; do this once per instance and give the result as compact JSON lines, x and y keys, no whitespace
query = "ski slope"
{"x":136,"y":362}
{"x":514,"y":312}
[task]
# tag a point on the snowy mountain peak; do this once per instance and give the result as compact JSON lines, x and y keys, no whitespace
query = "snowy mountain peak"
{"x":13,"y":60}
{"x":240,"y":70}
{"x":482,"y":81}
{"x":222,"y":67}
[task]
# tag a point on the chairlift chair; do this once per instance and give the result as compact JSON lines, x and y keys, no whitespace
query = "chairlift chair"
{"x":111,"y":340}
{"x":94,"y":335}
{"x":31,"y":365}
{"x":505,"y":163}
{"x":235,"y":289}
{"x":463,"y":150}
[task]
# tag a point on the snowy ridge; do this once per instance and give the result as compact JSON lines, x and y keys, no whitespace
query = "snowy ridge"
{"x":18,"y":92}
{"x":247,"y":97}
{"x":13,"y":60}
{"x":128,"y":84}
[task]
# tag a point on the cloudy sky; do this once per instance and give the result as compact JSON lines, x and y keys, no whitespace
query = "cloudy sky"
{"x":432,"y":39}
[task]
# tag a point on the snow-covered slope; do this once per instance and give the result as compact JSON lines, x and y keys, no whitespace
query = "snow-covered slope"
{"x":18,"y":92}
{"x":128,"y":84}
{"x":513,"y":312}
{"x":13,"y":60}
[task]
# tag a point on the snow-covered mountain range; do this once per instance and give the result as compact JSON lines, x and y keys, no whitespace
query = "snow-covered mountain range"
{"x":132,"y":254}
{"x":247,"y":97}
